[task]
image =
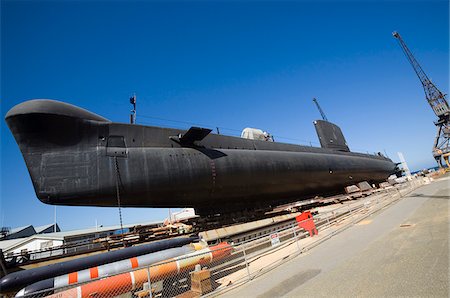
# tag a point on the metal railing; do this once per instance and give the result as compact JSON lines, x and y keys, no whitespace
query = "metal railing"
{"x":226,"y":266}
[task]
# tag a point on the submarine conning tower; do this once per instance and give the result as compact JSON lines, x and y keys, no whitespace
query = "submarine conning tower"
{"x":331,"y":136}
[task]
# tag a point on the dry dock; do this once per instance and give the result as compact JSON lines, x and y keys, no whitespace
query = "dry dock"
{"x":402,"y":250}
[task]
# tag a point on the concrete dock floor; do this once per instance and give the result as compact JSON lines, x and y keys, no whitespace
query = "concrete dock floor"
{"x":400,"y":251}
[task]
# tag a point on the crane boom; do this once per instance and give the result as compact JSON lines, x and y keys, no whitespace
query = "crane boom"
{"x":434,"y":96}
{"x":438,"y":102}
{"x":320,"y":109}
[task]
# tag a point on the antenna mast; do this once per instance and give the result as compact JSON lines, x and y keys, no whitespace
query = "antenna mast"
{"x":133,"y":111}
{"x":438,"y":102}
{"x":324,"y":117}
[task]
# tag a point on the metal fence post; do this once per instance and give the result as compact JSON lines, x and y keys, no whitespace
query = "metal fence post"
{"x":351,"y":214}
{"x":399,"y":192}
{"x":149,"y":283}
{"x":246,"y":264}
{"x":295,"y":237}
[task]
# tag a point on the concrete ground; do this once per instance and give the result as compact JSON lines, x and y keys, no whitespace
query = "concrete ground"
{"x":401,"y":251}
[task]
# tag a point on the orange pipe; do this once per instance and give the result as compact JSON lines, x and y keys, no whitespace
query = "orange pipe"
{"x":126,"y":282}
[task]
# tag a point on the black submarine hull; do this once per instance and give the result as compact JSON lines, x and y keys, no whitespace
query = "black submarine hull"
{"x":78,"y":158}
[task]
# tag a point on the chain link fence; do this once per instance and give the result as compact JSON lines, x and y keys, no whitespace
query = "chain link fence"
{"x":207,"y":271}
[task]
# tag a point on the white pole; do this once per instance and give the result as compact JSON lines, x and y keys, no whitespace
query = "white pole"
{"x":54,"y":226}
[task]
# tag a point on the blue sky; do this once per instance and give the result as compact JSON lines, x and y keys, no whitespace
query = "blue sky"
{"x":228,"y":64}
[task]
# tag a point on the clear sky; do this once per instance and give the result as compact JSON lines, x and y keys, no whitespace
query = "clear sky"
{"x":230,"y":64}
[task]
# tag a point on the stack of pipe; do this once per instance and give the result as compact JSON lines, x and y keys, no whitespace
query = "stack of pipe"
{"x":17,"y":280}
{"x":109,"y":269}
{"x":127,"y":282}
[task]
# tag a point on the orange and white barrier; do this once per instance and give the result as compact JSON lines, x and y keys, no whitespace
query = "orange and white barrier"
{"x":110,"y":269}
{"x":126,"y":282}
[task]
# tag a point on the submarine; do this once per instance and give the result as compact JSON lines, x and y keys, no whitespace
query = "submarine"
{"x":78,"y":158}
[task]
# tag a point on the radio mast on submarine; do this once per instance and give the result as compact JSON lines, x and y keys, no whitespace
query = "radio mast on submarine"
{"x":133,"y":111}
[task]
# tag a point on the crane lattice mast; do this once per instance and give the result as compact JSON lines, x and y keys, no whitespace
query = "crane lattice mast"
{"x":438,"y":102}
{"x":320,"y":109}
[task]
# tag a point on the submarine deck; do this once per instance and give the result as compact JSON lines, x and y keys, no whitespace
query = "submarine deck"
{"x":399,"y":251}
